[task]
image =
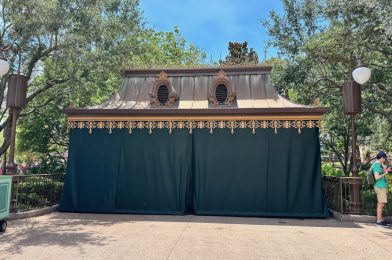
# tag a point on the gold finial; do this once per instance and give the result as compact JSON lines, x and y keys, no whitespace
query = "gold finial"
{"x":163,"y":75}
{"x":221,"y":74}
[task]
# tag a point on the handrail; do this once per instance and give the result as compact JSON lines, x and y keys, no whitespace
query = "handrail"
{"x":339,"y":192}
{"x":35,"y":191}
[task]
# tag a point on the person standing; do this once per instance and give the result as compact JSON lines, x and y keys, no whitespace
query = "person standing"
{"x":380,"y":186}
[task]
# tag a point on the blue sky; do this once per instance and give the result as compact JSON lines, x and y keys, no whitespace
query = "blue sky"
{"x":211,"y":24}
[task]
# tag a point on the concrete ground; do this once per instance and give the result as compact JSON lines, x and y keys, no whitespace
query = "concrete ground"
{"x":96,"y":236}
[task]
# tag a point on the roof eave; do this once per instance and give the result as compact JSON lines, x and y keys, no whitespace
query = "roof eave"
{"x":199,"y":71}
{"x":156,"y":112}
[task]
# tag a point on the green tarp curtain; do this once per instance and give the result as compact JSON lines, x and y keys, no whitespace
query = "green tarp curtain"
{"x":241,"y":174}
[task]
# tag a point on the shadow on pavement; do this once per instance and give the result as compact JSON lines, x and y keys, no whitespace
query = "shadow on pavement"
{"x":64,"y":229}
{"x":108,"y":219}
{"x":49,"y":231}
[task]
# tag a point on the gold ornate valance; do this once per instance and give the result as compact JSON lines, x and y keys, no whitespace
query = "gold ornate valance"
{"x":211,"y":124}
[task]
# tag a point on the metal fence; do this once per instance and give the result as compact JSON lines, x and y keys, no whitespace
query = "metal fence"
{"x":339,"y":195}
{"x":42,"y":190}
{"x":36,"y":191}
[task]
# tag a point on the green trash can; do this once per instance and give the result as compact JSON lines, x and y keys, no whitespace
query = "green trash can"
{"x":5,"y":198}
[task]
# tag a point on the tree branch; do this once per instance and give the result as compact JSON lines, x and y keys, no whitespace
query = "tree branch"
{"x":383,"y":113}
{"x":6,"y":135}
{"x":328,"y":80}
{"x":336,"y":152}
{"x":35,"y":108}
{"x":4,"y":124}
{"x":45,"y":88}
{"x":36,"y":58}
{"x":3,"y":114}
{"x":5,"y":28}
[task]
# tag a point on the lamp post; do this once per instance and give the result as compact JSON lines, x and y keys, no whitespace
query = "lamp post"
{"x":16,"y":97}
{"x":352,"y":105}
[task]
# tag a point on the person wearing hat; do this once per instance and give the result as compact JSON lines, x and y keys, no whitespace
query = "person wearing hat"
{"x":380,"y":186}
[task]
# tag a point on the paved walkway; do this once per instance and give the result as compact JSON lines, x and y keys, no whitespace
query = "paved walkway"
{"x":94,"y":236}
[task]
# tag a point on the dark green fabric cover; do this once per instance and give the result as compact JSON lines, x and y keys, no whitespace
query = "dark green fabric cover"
{"x":244,"y":174}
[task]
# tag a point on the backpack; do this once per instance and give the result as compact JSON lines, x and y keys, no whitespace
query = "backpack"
{"x":370,"y":177}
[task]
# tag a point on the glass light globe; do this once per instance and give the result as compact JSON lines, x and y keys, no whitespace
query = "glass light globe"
{"x":4,"y":67}
{"x":361,"y":74}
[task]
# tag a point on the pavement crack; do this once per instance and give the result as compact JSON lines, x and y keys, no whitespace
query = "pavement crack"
{"x":178,"y":239}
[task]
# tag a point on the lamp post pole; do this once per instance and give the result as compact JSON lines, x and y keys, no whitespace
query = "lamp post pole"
{"x":352,"y":106}
{"x":11,"y":167}
{"x":354,"y":169}
{"x":16,"y":98}
{"x":356,"y":204}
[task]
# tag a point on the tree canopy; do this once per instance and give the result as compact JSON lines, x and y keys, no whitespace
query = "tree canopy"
{"x":73,"y":52}
{"x":320,"y":42}
{"x":240,"y":54}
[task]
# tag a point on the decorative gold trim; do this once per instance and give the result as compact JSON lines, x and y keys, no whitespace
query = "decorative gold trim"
{"x":154,"y":102}
{"x":212,"y":99}
{"x":163,"y":76}
{"x":230,"y":99}
{"x":192,"y":124}
{"x":221,"y":74}
{"x":171,"y":101}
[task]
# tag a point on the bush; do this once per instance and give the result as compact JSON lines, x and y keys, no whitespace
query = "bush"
{"x":52,"y":164}
{"x":40,"y":191}
{"x":328,"y":170}
{"x":369,"y":203}
{"x":31,"y":199}
{"x":47,"y":164}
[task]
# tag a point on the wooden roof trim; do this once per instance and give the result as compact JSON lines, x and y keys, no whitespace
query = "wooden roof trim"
{"x":199,"y":71}
{"x":292,"y":111}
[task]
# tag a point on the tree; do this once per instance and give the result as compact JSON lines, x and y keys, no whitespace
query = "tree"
{"x":62,"y":47}
{"x":321,"y":42}
{"x":74,"y":53}
{"x":164,"y":49}
{"x":240,"y":54}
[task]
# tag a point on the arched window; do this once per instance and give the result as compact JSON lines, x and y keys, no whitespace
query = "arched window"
{"x":221,"y":93}
{"x":163,"y":94}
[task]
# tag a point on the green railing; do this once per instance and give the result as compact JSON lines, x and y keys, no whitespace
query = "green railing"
{"x":338,"y":193}
{"x":36,"y":191}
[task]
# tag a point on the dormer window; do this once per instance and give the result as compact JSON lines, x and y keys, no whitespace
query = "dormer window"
{"x":221,"y":93}
{"x":163,"y":93}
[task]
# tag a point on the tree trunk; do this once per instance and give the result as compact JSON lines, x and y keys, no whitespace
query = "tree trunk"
{"x":6,"y":135}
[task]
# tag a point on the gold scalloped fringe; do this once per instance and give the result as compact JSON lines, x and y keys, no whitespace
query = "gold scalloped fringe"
{"x":150,"y":125}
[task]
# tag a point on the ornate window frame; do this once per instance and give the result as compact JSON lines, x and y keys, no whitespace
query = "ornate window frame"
{"x":163,"y":79}
{"x":221,"y":79}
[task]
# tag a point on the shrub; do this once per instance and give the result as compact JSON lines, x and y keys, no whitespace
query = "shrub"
{"x":40,"y":191}
{"x":369,"y":203}
{"x":328,"y":170}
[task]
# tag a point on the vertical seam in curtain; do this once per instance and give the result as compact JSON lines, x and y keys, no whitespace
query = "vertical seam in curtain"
{"x":267,"y":175}
{"x":288,"y":165}
{"x":121,"y":153}
{"x":189,"y":200}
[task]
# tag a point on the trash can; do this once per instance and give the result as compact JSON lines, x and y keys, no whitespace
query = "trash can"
{"x":5,"y":198}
